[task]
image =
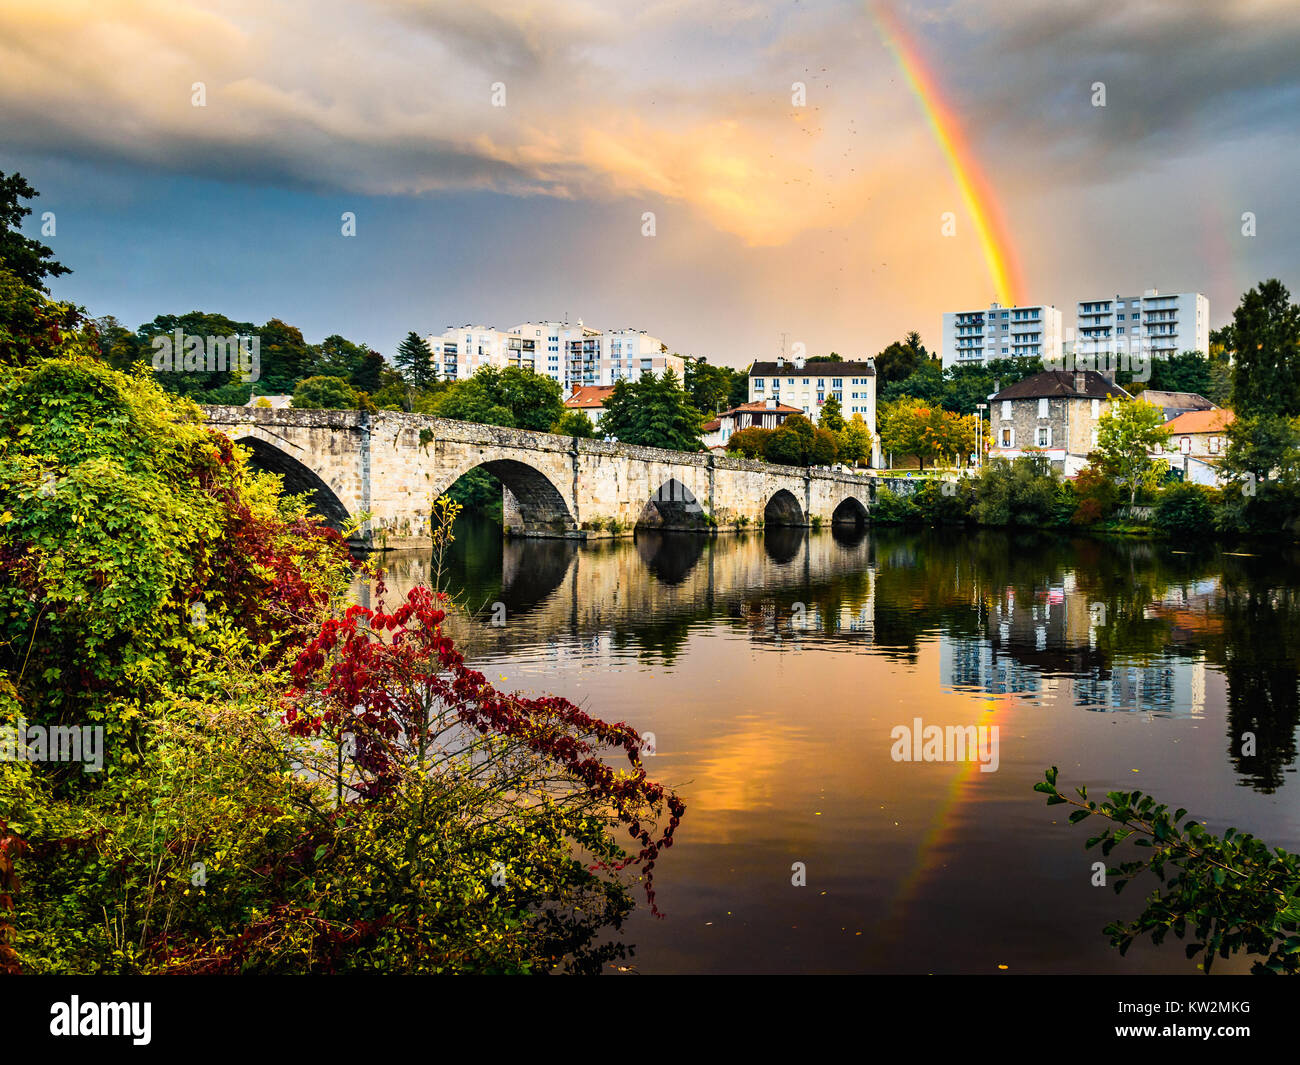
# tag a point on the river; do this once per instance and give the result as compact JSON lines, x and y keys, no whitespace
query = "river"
{"x":773,"y":667}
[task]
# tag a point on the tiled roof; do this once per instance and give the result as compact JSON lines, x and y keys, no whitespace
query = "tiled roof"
{"x":711,"y":427}
{"x":1177,"y":400}
{"x":1062,"y":383}
{"x":589,"y":396}
{"x":820,"y":367}
{"x":1201,"y":421}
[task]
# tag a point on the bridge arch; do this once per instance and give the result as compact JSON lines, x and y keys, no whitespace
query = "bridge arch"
{"x":298,"y":479}
{"x":672,"y":506}
{"x":783,"y":509}
{"x":533,"y":504}
{"x":851,"y":511}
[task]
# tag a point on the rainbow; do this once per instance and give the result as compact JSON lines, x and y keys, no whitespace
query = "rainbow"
{"x":994,"y":240}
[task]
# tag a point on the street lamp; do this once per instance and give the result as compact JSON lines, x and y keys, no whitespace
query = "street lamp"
{"x":980,"y":408}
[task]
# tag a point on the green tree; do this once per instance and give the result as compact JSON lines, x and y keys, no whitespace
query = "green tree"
{"x":28,"y":260}
{"x":515,"y":397}
{"x":1127,"y":436}
{"x":824,"y":450}
{"x":831,"y":415}
{"x":901,"y":359}
{"x":855,"y":441}
{"x":785,"y":446}
{"x":325,"y":393}
{"x":1266,"y":336}
{"x":709,"y":387}
{"x":574,"y":423}
{"x":415,"y":360}
{"x":653,"y":412}
{"x":286,"y":358}
{"x":750,"y":443}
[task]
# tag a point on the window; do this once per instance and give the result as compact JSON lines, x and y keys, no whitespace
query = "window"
{"x":758,"y":385}
{"x":1120,"y":330}
{"x":1006,"y":410}
{"x":1185,"y":445}
{"x":1008,"y":438}
{"x":1096,"y":409}
{"x":837,"y":382}
{"x":1044,"y":436}
{"x":1042,"y":407}
{"x":791,"y":380}
{"x":1214,"y":445}
{"x":805,"y":381}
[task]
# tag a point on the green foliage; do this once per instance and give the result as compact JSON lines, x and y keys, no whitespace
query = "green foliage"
{"x":1021,"y":492}
{"x":478,"y":491}
{"x":855,"y":441}
{"x":30,"y":261}
{"x":1095,"y":491}
{"x":514,"y":397}
{"x":895,"y":508}
{"x":575,"y":423}
{"x":749,"y":443}
{"x":1266,"y":339}
{"x":1228,"y":894}
{"x":1127,"y":435}
{"x":653,"y":411}
{"x":415,"y":360}
{"x":714,"y":388}
{"x":325,"y":393}
{"x":831,"y":416}
{"x":1184,"y":510}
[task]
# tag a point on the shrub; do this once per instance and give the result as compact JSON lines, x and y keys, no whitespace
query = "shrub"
{"x":1184,"y":510}
{"x":893,"y":508}
{"x":324,"y":393}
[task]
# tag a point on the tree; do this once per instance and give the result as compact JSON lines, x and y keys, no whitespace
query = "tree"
{"x":415,"y":360}
{"x":325,"y":393}
{"x":824,"y":450}
{"x":855,"y":441}
{"x":653,"y":412}
{"x":28,"y":260}
{"x":750,"y":443}
{"x":832,"y":414}
{"x":574,"y":423}
{"x":1187,"y":372}
{"x":515,"y":397}
{"x":709,"y":387}
{"x":286,"y":357}
{"x":901,"y":359}
{"x":1127,"y":436}
{"x":785,"y":446}
{"x":1266,"y":336}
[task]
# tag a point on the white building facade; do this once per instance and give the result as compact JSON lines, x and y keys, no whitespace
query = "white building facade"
{"x":977,"y":336}
{"x":1154,"y":324}
{"x":572,"y":354}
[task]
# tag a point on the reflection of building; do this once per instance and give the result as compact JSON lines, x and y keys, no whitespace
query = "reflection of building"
{"x":1044,"y":643}
{"x":973,"y":662}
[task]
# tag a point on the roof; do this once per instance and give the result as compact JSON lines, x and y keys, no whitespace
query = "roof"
{"x":1178,"y":400}
{"x":587,"y":397}
{"x":821,"y":366}
{"x":1062,"y":383}
{"x":1201,"y":421}
{"x":760,"y":406}
{"x":711,"y":427}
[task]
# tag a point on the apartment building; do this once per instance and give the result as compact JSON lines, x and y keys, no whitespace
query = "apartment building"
{"x":572,"y":354}
{"x":972,"y":337}
{"x":805,"y":385}
{"x":1153,"y":324}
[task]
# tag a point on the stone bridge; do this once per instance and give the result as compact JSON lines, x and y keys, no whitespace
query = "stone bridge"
{"x":391,"y":466}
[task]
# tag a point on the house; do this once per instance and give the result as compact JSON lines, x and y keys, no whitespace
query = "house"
{"x":590,"y":398}
{"x":807,"y":383}
{"x":1196,"y":441}
{"x":1175,"y":403}
{"x":762,"y":414}
{"x":1055,"y":412}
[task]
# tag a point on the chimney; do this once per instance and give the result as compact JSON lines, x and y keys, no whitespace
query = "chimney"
{"x":770,"y":404}
{"x":780,"y":361}
{"x":798,"y":364}
{"x":1080,"y":381}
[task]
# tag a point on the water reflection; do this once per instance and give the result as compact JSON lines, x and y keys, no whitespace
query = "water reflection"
{"x":772,"y":665}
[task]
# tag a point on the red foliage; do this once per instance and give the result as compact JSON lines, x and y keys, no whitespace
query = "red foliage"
{"x":378,"y":689}
{"x":11,"y":846}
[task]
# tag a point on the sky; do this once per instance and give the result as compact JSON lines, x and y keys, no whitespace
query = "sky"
{"x":500,"y":159}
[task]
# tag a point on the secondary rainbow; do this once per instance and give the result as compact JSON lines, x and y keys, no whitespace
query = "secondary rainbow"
{"x":994,"y":241}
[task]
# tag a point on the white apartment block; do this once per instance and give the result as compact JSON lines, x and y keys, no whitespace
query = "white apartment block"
{"x":572,"y":354}
{"x":805,"y":385}
{"x":1152,"y":324}
{"x":973,"y":337}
